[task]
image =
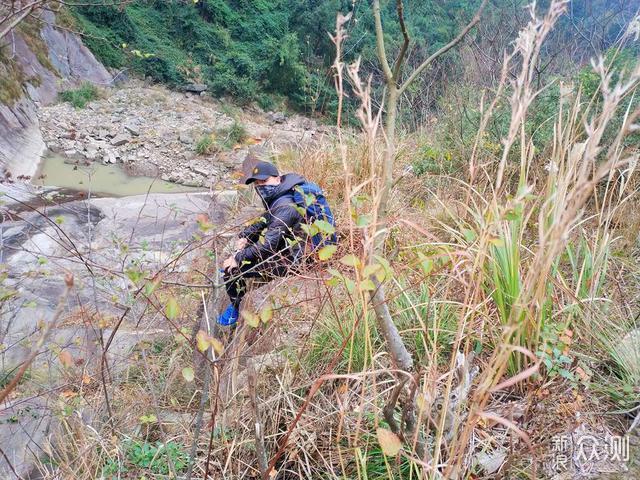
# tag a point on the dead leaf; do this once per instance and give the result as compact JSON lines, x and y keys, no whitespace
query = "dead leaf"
{"x":389,"y":442}
{"x":217,"y":345}
{"x":66,"y":394}
{"x":65,"y":359}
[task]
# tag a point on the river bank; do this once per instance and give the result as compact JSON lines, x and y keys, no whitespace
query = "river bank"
{"x":154,"y":132}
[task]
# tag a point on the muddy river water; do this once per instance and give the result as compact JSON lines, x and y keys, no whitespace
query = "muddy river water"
{"x":104,"y":180}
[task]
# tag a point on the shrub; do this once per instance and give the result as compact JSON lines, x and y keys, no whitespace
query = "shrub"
{"x":232,"y":135}
{"x":205,"y":145}
{"x":433,"y":161}
{"x":80,"y":96}
{"x":265,"y":102}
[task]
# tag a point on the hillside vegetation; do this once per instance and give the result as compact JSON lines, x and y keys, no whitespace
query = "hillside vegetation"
{"x":267,"y":51}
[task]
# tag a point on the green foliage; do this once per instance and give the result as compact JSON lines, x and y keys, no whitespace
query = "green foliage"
{"x":155,"y":458}
{"x":433,"y":161}
{"x":266,"y":102}
{"x":621,"y":64}
{"x":555,"y":351}
{"x":234,"y":134}
{"x":11,"y":78}
{"x":225,"y":138}
{"x":330,"y":335}
{"x":460,"y":111}
{"x":237,"y":48}
{"x":81,"y":96}
{"x":205,"y":145}
{"x":426,"y":326}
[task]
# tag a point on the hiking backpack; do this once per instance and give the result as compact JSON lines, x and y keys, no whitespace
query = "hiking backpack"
{"x":313,"y":206}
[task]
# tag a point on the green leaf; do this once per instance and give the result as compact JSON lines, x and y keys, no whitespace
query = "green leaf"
{"x":350,"y":284}
{"x":150,"y":287}
{"x":251,"y":318}
{"x":187,"y":374}
{"x":266,"y":314}
{"x":367,"y":285}
{"x":387,"y":272}
{"x":310,"y":230}
{"x":511,"y":215}
{"x":151,"y":418}
{"x":134,"y":274}
{"x":469,"y":235}
{"x":350,"y":261}
{"x":565,"y":374}
{"x":171,"y":309}
{"x":363,"y":220}
{"x":426,"y":263}
{"x":325,"y":227}
{"x":333,"y":281}
{"x":327,"y":252}
{"x":372,"y":269}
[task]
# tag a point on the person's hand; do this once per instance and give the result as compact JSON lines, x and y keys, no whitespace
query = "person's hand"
{"x":230,"y":263}
{"x":241,"y":243}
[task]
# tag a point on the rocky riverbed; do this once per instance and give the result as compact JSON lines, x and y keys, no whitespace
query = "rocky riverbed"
{"x":154,"y":132}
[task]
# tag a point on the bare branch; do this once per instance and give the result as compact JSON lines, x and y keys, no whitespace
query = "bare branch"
{"x":397,"y":68}
{"x":15,"y":18}
{"x":445,"y":49}
{"x":382,"y":54}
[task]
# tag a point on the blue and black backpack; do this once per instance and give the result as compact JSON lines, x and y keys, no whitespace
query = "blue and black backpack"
{"x":314,"y":207}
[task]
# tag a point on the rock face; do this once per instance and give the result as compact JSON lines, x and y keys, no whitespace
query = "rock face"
{"x":69,"y":63}
{"x":21,"y":143}
{"x":155,"y":227}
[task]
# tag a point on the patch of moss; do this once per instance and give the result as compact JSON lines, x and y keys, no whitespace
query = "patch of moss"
{"x":66,"y":19}
{"x":36,"y":81}
{"x":11,"y":78}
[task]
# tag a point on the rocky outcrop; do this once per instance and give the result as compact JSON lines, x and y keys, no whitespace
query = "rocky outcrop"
{"x":155,"y":228}
{"x":21,"y":144}
{"x":56,"y":60}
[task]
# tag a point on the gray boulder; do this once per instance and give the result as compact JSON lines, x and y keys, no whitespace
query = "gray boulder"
{"x":119,"y":140}
{"x":195,"y":87}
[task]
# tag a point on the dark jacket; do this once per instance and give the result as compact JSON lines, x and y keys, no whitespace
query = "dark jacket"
{"x":276,"y":231}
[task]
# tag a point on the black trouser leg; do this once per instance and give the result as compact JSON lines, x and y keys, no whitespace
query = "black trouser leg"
{"x":235,"y":280}
{"x":236,"y":284}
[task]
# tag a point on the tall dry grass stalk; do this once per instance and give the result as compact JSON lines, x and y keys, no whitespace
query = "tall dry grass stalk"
{"x":505,"y":271}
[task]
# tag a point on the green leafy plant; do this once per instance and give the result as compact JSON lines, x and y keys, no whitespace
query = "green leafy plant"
{"x":205,"y":145}
{"x":80,"y":96}
{"x":555,"y":351}
{"x":433,"y":161}
{"x":157,"y":458}
{"x":234,"y":134}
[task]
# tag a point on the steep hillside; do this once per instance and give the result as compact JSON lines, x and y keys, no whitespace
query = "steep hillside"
{"x":38,"y":61}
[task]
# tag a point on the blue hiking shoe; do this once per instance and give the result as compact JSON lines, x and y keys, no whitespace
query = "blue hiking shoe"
{"x":229,"y":316}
